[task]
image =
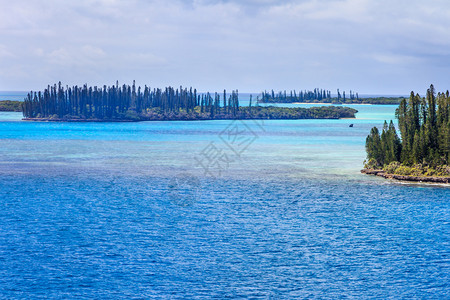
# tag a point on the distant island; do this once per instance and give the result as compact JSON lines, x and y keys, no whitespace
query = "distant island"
{"x":9,"y":105}
{"x":423,"y":152}
{"x":130,"y":103}
{"x":323,"y":96}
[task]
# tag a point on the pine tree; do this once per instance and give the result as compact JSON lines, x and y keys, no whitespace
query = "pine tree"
{"x":373,"y":147}
{"x":424,"y":125}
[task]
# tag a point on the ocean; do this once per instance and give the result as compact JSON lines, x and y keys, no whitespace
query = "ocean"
{"x":213,"y":209}
{"x":14,"y":95}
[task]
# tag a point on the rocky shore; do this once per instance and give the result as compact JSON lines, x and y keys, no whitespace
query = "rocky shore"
{"x":383,"y":174}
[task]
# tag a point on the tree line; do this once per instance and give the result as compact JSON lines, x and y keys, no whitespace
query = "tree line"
{"x":306,"y":96}
{"x":424,"y":125}
{"x":118,"y":102}
{"x":131,"y":103}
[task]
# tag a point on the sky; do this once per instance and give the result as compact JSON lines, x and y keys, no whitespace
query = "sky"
{"x":372,"y":47}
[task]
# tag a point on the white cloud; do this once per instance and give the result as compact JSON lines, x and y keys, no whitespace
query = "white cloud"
{"x":75,"y":56}
{"x":347,"y":10}
{"x":92,"y":51}
{"x":5,"y":53}
{"x":249,"y":44}
{"x":396,"y":59}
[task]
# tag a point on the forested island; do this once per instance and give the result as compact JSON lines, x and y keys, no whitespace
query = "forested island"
{"x":323,"y":96}
{"x":423,"y":151}
{"x":9,"y":105}
{"x":131,"y":103}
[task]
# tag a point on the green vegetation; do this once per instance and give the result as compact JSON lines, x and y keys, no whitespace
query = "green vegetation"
{"x":378,"y":100}
{"x":323,"y":96}
{"x":417,"y":170}
{"x":293,"y":96}
{"x":8,"y":105}
{"x":272,"y":112}
{"x":115,"y":102}
{"x":424,"y":148}
{"x":125,"y":103}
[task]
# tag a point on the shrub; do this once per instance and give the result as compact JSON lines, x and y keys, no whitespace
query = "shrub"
{"x":371,"y":164}
{"x":404,"y":170}
{"x":392,"y":167}
{"x":132,"y":115}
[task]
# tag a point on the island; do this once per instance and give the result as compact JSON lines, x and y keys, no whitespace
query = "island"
{"x":423,"y":151}
{"x":323,"y":96}
{"x":9,"y":105}
{"x":130,"y":103}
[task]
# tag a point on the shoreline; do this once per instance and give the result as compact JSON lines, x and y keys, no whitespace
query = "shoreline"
{"x":77,"y":120}
{"x":321,"y":103}
{"x":410,"y":178}
{"x":169,"y":119}
{"x":328,"y":103}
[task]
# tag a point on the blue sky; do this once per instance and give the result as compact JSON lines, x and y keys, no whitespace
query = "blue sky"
{"x":373,"y":47}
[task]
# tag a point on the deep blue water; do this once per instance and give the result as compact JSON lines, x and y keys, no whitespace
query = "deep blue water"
{"x":126,"y":210}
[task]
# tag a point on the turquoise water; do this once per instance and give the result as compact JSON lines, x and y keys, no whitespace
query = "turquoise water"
{"x":213,"y":209}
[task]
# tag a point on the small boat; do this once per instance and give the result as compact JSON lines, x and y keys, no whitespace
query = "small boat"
{"x":351,"y":125}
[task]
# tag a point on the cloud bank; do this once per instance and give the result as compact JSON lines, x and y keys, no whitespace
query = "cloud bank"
{"x":387,"y":47}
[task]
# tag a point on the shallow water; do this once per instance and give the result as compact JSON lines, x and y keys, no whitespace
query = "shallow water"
{"x":213,"y":209}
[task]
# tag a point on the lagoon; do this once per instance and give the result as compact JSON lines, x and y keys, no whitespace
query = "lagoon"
{"x":103,"y":210}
